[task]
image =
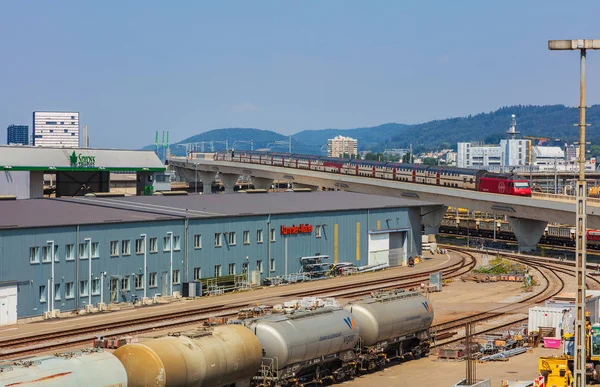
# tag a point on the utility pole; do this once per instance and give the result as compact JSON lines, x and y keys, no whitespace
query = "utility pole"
{"x":581,"y":215}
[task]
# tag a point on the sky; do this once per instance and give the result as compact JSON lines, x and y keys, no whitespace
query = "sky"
{"x":132,"y":68}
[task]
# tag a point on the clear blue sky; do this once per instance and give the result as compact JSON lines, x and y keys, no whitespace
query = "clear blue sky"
{"x":131,"y":68}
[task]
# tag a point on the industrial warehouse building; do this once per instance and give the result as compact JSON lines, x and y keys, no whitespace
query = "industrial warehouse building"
{"x":206,"y":236}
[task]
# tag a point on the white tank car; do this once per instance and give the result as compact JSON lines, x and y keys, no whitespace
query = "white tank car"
{"x":395,"y":317}
{"x":90,"y":368}
{"x":298,"y":343}
{"x":222,"y":356}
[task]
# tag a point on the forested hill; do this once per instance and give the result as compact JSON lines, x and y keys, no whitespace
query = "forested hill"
{"x":554,"y":122}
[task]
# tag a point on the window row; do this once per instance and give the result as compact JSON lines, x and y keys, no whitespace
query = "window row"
{"x":44,"y":253}
{"x":231,"y":269}
{"x":84,"y":288}
{"x":231,"y":239}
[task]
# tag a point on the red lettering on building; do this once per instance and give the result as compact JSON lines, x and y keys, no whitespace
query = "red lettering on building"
{"x":300,"y":229}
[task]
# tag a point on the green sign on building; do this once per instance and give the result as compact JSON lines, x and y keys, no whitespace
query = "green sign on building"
{"x":81,"y":161}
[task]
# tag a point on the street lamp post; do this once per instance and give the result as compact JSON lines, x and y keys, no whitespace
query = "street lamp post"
{"x":581,"y":216}
{"x":170,"y":234}
{"x":145,"y":252}
{"x":89,"y":241}
{"x":51,"y":301}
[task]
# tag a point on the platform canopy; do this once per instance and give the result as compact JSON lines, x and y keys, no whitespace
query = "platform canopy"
{"x":28,"y":158}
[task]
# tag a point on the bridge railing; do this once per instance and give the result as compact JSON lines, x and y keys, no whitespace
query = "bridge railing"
{"x":564,"y":198}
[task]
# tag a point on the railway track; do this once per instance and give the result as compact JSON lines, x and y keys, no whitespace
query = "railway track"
{"x":22,"y":346}
{"x":553,"y":273}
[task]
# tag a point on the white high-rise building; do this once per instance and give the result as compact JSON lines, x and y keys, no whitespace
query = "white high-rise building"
{"x":56,"y":129}
{"x":340,"y":145}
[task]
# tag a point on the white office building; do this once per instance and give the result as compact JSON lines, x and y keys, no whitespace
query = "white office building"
{"x":340,"y":145}
{"x":56,"y":129}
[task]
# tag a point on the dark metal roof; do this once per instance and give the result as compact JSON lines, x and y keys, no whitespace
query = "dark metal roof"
{"x":56,"y":212}
{"x":72,"y":211}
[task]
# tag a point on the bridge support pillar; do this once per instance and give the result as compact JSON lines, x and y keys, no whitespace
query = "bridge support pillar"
{"x":300,"y":185}
{"x":207,"y":180}
{"x":431,"y":217}
{"x":527,"y":231}
{"x":261,"y":182}
{"x":229,"y":180}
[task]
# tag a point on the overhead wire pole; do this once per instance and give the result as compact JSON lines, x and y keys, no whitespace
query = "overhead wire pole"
{"x":581,"y":215}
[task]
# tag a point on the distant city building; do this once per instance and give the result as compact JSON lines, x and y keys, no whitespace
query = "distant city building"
{"x":395,"y":152}
{"x":56,"y":129}
{"x":449,"y":158}
{"x":338,"y":146}
{"x":511,"y":152}
{"x":17,"y":134}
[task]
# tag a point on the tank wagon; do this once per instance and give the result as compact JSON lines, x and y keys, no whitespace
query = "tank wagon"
{"x":90,"y":367}
{"x":306,"y":347}
{"x":223,"y":356}
{"x":392,"y":325}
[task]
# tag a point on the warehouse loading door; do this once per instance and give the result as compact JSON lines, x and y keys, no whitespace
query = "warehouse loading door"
{"x":397,"y":248}
{"x":8,"y":305}
{"x":379,"y":248}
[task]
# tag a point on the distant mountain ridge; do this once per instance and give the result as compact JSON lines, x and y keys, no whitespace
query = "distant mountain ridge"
{"x":551,"y":121}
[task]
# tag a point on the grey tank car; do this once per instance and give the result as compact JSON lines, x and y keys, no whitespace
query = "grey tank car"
{"x":393,"y":325}
{"x":307,"y":346}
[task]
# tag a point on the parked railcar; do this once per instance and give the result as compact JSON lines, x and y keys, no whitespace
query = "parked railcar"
{"x":307,"y":347}
{"x":219,"y":357}
{"x":90,"y":367}
{"x":393,"y":325}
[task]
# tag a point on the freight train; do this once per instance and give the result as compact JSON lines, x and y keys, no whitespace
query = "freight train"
{"x":307,"y":347}
{"x":471,"y":179}
{"x":556,"y":234}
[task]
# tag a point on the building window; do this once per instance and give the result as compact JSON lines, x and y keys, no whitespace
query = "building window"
{"x":217,"y":270}
{"x":245,"y":267}
{"x":175,"y":278}
{"x":95,"y":286}
{"x":177,"y":243}
{"x":231,"y":239}
{"x":153,"y":245}
{"x":232,"y":269}
{"x":43,"y":293}
{"x":139,"y":281}
{"x":246,"y":237}
{"x":152,"y":278}
{"x":96,"y":250}
{"x":318,"y":231}
{"x":83,"y":251}
{"x":69,"y":290}
{"x":259,"y":236}
{"x":272,"y":264}
{"x":125,"y":283}
{"x":126,"y":247}
{"x":83,"y":288}
{"x":272,"y":235}
{"x":139,"y":246}
{"x":167,"y":243}
{"x":69,"y":252}
{"x":198,"y":241}
{"x":259,"y":267}
{"x":114,"y":248}
{"x":217,"y":239}
{"x":197,"y":273}
{"x":46,"y":256}
{"x":57,"y":292}
{"x":34,"y":254}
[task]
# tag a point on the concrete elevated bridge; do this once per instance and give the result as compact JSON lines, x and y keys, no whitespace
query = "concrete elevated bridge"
{"x":528,"y":216}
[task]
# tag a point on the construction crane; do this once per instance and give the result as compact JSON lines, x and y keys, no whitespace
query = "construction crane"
{"x":529,"y":146}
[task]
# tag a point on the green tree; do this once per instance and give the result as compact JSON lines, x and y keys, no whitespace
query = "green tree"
{"x":430,"y":161}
